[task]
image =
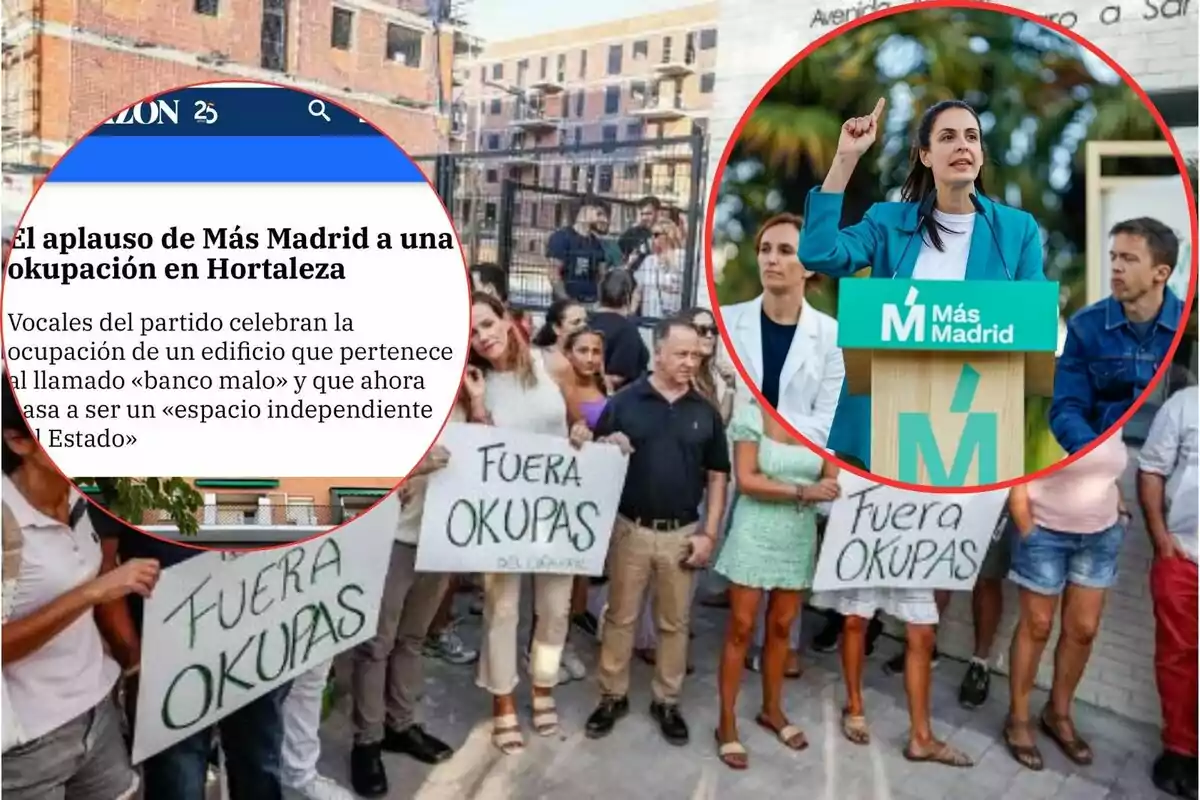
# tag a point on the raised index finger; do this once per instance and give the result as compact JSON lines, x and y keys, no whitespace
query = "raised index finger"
{"x":878,"y":109}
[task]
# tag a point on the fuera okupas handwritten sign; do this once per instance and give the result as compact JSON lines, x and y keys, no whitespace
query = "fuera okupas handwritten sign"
{"x":881,"y":536}
{"x":223,"y":629}
{"x":510,"y":501}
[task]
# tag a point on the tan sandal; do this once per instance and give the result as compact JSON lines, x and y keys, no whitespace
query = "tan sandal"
{"x":1073,"y":746}
{"x":506,"y":734}
{"x":942,"y":753}
{"x":732,"y":754}
{"x":545,"y":715}
{"x":855,"y":728}
{"x":792,"y":737}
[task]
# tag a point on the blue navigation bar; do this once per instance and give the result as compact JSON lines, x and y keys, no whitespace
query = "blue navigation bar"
{"x":235,"y":111}
{"x":235,"y":159}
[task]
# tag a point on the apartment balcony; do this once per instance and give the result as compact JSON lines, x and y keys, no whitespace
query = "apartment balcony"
{"x":670,"y":154}
{"x":259,"y":515}
{"x":548,"y":86}
{"x":534,"y":123}
{"x":249,"y":524}
{"x":661,"y":110}
{"x":677,"y":66}
{"x":518,"y":158}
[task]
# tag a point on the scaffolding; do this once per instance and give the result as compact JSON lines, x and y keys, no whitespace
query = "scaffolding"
{"x":20,"y":120}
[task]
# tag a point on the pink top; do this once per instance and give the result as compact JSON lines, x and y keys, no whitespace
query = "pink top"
{"x":1082,"y":497}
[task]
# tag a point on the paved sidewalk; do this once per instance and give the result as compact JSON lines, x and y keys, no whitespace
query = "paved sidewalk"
{"x":636,"y":763}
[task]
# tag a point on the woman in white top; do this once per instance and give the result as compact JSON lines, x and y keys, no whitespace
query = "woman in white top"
{"x":509,"y":386}
{"x":58,"y":676}
{"x":660,"y":275}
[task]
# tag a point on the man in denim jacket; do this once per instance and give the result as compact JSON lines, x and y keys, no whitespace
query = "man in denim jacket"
{"x":1114,"y":347}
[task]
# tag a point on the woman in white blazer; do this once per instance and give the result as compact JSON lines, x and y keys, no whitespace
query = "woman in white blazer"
{"x":790,"y":351}
{"x":788,"y":347}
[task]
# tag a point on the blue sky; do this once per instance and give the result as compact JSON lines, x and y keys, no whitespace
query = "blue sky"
{"x":511,"y":19}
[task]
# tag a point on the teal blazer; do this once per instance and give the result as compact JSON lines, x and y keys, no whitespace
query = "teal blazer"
{"x":1005,"y":245}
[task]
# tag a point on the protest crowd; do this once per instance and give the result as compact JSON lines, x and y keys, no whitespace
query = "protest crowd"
{"x":711,"y":481}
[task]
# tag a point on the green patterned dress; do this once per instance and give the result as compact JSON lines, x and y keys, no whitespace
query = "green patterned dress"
{"x":771,"y":545}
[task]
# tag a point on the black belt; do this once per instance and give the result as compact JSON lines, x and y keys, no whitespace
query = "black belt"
{"x":661,"y":524}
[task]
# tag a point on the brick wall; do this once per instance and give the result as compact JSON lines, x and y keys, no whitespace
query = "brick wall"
{"x":1159,"y":50}
{"x":100,"y":80}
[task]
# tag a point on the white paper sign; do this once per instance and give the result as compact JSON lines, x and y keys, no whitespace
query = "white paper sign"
{"x":511,"y":501}
{"x":881,"y":536}
{"x":222,"y":629}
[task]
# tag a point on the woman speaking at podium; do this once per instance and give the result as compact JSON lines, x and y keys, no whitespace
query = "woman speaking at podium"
{"x":943,"y":228}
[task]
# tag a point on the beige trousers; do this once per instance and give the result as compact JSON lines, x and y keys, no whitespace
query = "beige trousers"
{"x":386,"y":675}
{"x":501,"y":615}
{"x":638,"y":556}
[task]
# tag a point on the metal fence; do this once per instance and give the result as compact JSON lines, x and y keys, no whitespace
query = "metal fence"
{"x":507,"y":203}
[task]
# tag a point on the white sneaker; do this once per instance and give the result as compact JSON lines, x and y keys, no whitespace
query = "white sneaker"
{"x":572,"y":665}
{"x":321,"y":788}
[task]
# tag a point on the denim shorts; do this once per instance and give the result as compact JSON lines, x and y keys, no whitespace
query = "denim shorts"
{"x":1045,"y":561}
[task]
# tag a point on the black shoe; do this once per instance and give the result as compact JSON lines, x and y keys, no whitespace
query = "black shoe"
{"x":826,"y":640}
{"x":414,"y":741}
{"x":604,"y":718}
{"x":367,"y":774}
{"x":895,"y":664}
{"x":587,"y":623}
{"x":1170,"y":774}
{"x":975,"y":684}
{"x":670,"y":722}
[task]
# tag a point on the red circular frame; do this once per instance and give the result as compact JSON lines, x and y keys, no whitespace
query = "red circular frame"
{"x":216,"y":83}
{"x":714,"y":193}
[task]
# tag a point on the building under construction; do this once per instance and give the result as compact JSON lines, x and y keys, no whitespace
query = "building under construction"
{"x":69,"y":65}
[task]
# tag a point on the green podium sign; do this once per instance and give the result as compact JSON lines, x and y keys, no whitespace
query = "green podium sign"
{"x":948,"y":365}
{"x":948,"y":315}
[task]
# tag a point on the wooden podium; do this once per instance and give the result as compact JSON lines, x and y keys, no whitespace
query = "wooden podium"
{"x":948,"y":365}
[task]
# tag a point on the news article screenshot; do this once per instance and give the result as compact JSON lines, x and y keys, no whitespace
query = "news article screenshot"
{"x":548,"y":351}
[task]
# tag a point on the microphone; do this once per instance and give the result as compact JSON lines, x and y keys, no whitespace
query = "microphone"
{"x":996,"y":239}
{"x":923,"y":212}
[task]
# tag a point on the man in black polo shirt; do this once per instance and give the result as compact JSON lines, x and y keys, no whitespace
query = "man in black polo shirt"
{"x":251,"y":737}
{"x":678,"y":455}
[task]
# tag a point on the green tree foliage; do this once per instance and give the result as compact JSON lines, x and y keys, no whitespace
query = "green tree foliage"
{"x":1040,"y":98}
{"x":131,"y":499}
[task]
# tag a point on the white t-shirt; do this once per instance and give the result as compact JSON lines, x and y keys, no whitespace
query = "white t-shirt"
{"x":949,"y":264}
{"x":1171,"y":451}
{"x":661,"y":284}
{"x":534,"y":409}
{"x":71,"y":673}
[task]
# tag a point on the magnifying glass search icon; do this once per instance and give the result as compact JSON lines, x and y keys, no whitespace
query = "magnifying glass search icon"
{"x":317,"y":109}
